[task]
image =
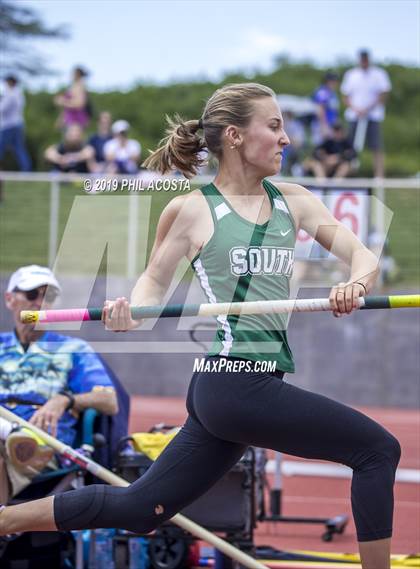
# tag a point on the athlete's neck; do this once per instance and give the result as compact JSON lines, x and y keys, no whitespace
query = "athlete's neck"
{"x":233,"y":181}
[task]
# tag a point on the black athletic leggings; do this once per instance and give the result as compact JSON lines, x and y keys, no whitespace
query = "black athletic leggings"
{"x":228,"y":412}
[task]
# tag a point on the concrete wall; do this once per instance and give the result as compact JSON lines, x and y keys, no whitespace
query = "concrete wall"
{"x":369,"y":358}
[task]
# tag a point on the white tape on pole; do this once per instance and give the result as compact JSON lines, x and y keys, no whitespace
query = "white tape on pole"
{"x":360,"y":134}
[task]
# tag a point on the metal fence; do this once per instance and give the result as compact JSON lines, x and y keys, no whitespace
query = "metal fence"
{"x":371,"y":216}
{"x":367,"y":377}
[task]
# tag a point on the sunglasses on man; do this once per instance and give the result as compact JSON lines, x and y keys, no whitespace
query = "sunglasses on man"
{"x":50,"y":295}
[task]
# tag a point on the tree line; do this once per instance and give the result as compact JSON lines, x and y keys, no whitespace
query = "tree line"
{"x":144,"y":106}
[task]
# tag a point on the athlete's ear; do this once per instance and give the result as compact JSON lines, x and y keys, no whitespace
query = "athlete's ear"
{"x":233,"y":136}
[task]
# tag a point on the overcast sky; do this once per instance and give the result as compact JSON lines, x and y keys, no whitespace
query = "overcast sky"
{"x":129,"y":41}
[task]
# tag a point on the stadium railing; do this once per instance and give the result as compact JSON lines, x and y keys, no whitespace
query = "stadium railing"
{"x":367,"y":216}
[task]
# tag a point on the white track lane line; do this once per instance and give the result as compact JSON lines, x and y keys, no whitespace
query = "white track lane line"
{"x":343,"y":501}
{"x":295,"y":468}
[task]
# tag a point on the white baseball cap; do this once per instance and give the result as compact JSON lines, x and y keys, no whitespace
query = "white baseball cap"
{"x":120,"y":126}
{"x":31,"y":277}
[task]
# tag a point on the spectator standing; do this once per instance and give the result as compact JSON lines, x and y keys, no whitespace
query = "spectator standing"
{"x":12,"y":136}
{"x":73,"y":154}
{"x":365,"y":89}
{"x":74,"y":102}
{"x":101,"y":136}
{"x":45,"y":378}
{"x":334,"y":157}
{"x":328,"y":103}
{"x":122,"y":154}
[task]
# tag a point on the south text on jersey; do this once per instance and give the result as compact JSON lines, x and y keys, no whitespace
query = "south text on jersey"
{"x":261,"y":261}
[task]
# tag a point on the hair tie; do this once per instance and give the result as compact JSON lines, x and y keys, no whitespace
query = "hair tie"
{"x":200,"y":123}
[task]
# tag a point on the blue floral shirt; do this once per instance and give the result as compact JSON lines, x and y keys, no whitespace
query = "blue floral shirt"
{"x":54,"y":362}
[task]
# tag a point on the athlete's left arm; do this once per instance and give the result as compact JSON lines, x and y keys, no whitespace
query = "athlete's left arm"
{"x":314,"y":217}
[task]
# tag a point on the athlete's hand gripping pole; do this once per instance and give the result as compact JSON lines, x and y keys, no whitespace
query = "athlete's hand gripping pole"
{"x":111,"y":478}
{"x":219,"y":308}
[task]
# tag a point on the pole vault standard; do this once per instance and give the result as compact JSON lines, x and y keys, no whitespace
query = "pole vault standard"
{"x":111,"y":478}
{"x":219,"y":308}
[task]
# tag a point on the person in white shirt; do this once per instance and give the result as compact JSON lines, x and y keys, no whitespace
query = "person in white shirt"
{"x":365,"y":89}
{"x":12,"y":104}
{"x":122,"y":154}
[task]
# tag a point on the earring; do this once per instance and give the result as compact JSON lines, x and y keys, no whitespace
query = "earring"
{"x":233,"y":146}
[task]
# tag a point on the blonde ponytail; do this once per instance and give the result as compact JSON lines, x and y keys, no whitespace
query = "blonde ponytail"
{"x":181,"y":149}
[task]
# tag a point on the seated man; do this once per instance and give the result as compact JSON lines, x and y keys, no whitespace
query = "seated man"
{"x":334,"y":157}
{"x":45,"y":378}
{"x":73,"y":154}
{"x":122,"y":154}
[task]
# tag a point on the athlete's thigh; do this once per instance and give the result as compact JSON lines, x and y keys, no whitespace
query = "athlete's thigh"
{"x":262,"y":410}
{"x":302,"y":423}
{"x":192,"y":462}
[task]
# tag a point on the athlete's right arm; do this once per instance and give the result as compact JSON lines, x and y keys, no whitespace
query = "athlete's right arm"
{"x":171,"y":244}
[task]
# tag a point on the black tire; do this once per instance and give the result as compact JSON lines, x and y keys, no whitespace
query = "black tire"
{"x":168,"y":550}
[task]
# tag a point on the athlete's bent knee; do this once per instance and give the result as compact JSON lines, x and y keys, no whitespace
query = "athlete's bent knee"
{"x":383,"y":450}
{"x":392,"y":449}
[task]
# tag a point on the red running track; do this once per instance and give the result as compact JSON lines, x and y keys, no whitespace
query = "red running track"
{"x":316,"y":496}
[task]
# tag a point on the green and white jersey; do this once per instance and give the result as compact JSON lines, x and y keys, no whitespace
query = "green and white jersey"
{"x":244,"y":261}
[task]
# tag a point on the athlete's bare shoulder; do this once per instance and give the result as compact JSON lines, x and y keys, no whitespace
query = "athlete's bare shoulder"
{"x":183,"y":212}
{"x":186,"y":205}
{"x":187,"y":217}
{"x":289,"y":189}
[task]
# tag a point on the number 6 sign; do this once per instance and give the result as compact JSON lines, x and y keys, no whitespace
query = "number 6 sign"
{"x":350,"y":207}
